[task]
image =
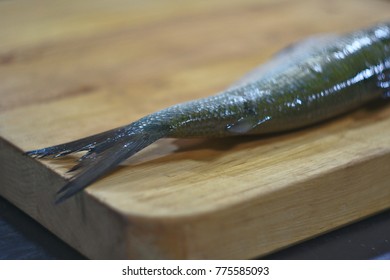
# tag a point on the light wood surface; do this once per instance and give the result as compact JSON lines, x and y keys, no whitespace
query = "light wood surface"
{"x":73,"y":68}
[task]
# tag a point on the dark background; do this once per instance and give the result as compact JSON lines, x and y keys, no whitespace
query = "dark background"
{"x":23,"y":238}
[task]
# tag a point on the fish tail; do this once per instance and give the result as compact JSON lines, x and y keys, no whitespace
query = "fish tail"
{"x":105,"y":151}
{"x":79,"y":145}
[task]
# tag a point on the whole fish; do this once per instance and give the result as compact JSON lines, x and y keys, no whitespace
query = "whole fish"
{"x":305,"y":83}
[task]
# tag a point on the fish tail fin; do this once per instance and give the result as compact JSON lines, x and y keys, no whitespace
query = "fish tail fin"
{"x":101,"y":160}
{"x":79,"y":145}
{"x":105,"y":151}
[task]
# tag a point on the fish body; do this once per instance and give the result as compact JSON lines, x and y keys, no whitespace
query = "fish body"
{"x":308,"y":82}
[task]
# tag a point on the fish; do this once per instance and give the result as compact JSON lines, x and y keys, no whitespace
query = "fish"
{"x":307,"y":82}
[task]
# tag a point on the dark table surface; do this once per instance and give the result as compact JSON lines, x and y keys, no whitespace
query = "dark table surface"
{"x":23,"y":238}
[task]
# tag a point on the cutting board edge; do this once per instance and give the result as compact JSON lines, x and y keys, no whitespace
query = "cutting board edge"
{"x":184,"y":237}
{"x":73,"y":222}
{"x":308,"y":220}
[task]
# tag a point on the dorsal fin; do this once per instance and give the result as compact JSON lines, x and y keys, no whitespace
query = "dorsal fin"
{"x":291,"y":55}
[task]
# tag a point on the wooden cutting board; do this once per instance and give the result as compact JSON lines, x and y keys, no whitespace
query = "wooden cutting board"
{"x":73,"y":68}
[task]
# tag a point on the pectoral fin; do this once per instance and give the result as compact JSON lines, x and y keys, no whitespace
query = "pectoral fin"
{"x":245,"y":124}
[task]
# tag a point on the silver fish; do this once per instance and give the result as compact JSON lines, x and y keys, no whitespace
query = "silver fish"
{"x":308,"y":82}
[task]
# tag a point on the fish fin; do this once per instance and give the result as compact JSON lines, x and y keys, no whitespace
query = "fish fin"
{"x":104,"y":152}
{"x":241,"y":126}
{"x":291,"y":55}
{"x":102,"y":160}
{"x":82,"y":144}
{"x":246,"y":124}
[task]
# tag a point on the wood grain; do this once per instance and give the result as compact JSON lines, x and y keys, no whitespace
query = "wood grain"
{"x":70,"y":69}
